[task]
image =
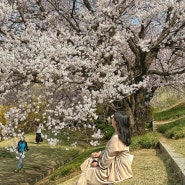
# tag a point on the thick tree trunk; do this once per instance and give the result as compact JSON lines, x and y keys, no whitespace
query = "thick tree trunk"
{"x":139,"y":111}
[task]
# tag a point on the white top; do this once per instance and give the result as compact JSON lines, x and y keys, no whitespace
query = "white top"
{"x":39,"y":128}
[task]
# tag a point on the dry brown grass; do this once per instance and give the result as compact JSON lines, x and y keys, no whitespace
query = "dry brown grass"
{"x":151,"y":168}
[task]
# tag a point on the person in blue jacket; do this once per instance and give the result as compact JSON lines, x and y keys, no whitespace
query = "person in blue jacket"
{"x":22,"y":146}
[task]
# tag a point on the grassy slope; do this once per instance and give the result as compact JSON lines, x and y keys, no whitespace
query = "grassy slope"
{"x":171,"y":122}
{"x":40,"y":159}
{"x":175,"y":112}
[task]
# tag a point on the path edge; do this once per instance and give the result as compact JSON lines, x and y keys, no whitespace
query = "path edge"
{"x":177,"y":160}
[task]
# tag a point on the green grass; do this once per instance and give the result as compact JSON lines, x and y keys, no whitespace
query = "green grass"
{"x":174,"y":129}
{"x":6,"y":154}
{"x":75,"y":163}
{"x":170,"y":114}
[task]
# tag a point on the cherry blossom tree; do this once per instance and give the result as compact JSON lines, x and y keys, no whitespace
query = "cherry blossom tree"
{"x":87,"y":53}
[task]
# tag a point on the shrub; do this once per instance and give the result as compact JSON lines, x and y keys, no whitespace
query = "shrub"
{"x":108,"y":131}
{"x":179,"y":134}
{"x":148,"y":140}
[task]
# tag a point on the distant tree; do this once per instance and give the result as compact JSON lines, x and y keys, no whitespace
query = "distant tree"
{"x":88,"y":52}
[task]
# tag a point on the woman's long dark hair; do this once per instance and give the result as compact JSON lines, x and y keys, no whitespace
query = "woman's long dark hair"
{"x":123,"y":127}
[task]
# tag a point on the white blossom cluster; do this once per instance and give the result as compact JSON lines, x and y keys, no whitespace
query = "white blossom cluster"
{"x":94,"y":143}
{"x":97,"y":134}
{"x":53,"y":141}
{"x":74,"y":144}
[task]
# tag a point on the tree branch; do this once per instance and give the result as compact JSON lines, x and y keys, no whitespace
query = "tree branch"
{"x":88,"y":5}
{"x":163,"y":73}
{"x":21,"y":12}
{"x":165,"y":32}
{"x":40,"y":6}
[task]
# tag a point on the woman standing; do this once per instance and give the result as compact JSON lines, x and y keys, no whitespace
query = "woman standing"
{"x":38,"y":133}
{"x":22,"y":147}
{"x":114,"y":163}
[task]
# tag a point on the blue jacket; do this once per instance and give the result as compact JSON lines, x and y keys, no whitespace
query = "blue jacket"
{"x":22,"y":146}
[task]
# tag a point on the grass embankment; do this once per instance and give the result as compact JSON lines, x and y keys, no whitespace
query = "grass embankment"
{"x":41,"y":159}
{"x":175,"y":112}
{"x":174,"y":119}
{"x":171,"y":123}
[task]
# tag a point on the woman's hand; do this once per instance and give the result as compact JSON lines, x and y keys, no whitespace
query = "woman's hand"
{"x":94,"y":164}
{"x":95,"y":155}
